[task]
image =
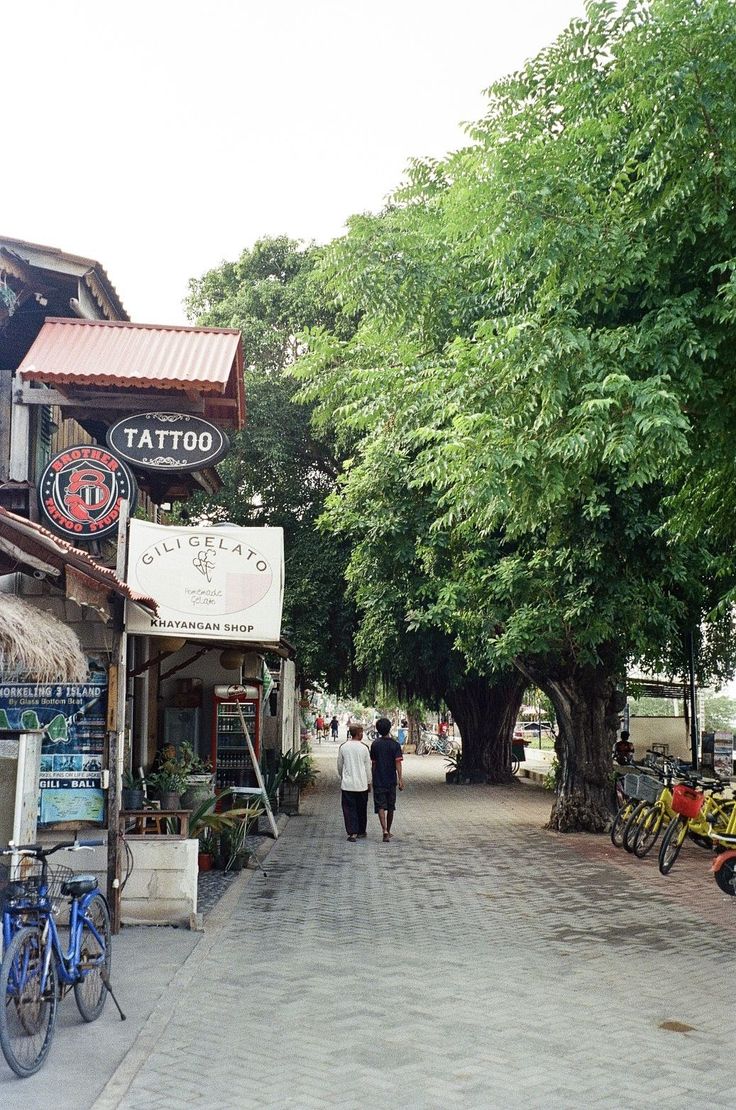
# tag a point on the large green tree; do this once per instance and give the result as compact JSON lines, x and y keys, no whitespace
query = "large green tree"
{"x":547,"y":316}
{"x":279,"y":470}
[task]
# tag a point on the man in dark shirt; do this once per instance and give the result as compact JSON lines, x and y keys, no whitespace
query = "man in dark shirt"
{"x":387,"y":761}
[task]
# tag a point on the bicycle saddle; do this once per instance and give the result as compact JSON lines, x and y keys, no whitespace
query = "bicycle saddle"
{"x":80,"y":884}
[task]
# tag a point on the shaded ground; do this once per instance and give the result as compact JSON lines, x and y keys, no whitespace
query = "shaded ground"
{"x":475,"y":961}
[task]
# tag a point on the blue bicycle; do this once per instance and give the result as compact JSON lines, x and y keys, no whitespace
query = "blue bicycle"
{"x":36,"y":971}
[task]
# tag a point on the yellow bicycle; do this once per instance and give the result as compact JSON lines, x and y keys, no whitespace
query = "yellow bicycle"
{"x":702,"y":816}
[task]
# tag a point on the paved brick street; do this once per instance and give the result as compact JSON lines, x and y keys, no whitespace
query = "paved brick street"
{"x":474,"y":961}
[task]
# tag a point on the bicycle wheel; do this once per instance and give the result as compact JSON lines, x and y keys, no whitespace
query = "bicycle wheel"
{"x":648,"y":831}
{"x":28,"y":1017}
{"x":515,"y":765}
{"x":619,"y":822}
{"x":725,"y":876}
{"x":672,"y":841}
{"x":95,"y":958}
{"x":632,"y":825}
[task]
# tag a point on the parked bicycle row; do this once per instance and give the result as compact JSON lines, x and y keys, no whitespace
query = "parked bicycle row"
{"x":663,"y":798}
{"x":433,"y":742}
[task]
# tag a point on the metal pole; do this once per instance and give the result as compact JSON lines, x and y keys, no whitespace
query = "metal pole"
{"x":693,"y":698}
{"x":117,"y":688}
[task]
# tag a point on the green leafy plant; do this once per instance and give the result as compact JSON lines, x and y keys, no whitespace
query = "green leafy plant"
{"x":167,"y":779}
{"x":204,"y":820}
{"x":132,"y":781}
{"x":298,"y":767}
{"x":553,"y":776}
{"x":271,"y":782}
{"x":193,"y":764}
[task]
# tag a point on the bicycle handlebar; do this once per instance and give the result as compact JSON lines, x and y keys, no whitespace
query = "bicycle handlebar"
{"x":40,"y":852}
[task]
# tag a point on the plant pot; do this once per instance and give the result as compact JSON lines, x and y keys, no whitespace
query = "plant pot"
{"x":205,"y":861}
{"x":132,"y":798}
{"x":199,"y":789}
{"x":170,"y":799}
{"x":289,"y":798}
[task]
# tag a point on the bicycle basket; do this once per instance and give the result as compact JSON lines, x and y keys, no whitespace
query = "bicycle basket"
{"x":631,"y":783}
{"x":642,"y":787}
{"x":21,"y":884}
{"x":686,"y":801}
{"x":648,"y":788}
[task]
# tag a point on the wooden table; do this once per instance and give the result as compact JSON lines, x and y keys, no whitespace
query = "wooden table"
{"x":148,"y":822}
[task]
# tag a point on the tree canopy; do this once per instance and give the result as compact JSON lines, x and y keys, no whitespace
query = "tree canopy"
{"x":546,"y":327}
{"x":279,"y":470}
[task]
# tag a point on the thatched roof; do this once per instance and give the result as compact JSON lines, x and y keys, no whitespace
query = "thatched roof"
{"x":35,"y":646}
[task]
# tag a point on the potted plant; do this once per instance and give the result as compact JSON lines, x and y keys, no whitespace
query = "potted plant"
{"x":271,"y":782}
{"x":133,"y":796}
{"x":199,"y":777}
{"x":169,"y":784}
{"x":206,"y":853}
{"x":168,"y":778}
{"x":206,"y":824}
{"x":233,"y":840}
{"x":297,"y":771}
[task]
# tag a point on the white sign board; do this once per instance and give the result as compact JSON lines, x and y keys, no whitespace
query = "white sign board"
{"x":210,"y":583}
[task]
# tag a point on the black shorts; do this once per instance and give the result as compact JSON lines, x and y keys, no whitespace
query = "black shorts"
{"x":384,"y":798}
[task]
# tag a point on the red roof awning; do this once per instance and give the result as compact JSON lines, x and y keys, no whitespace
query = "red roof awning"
{"x":31,"y":548}
{"x":81,"y":354}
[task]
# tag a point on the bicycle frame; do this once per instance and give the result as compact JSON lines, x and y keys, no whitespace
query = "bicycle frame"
{"x":67,"y":963}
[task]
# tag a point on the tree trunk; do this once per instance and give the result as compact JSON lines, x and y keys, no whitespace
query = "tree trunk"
{"x":413,"y":716}
{"x":587,"y":704}
{"x":485,"y":712}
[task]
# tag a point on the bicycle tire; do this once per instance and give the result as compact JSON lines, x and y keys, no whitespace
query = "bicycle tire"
{"x":28,"y":1018}
{"x":619,"y":822}
{"x":725,"y":876}
{"x":648,"y":831}
{"x":90,"y":993}
{"x":672,"y":841}
{"x":632,"y":825}
{"x":515,"y":765}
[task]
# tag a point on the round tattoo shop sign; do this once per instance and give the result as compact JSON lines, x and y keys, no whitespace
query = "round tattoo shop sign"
{"x":81,"y":490}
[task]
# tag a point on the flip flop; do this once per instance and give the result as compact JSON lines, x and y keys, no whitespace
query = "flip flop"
{"x":386,"y":838}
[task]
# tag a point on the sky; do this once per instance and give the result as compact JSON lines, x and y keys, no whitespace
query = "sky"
{"x":163,"y":137}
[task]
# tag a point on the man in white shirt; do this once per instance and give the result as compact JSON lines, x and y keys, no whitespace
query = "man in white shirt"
{"x":354,"y":769}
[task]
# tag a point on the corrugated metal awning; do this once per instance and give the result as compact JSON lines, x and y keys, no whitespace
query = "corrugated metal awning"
{"x":122,"y":355}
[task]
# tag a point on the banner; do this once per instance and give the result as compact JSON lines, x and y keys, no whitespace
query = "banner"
{"x":210,"y":583}
{"x":74,"y":718}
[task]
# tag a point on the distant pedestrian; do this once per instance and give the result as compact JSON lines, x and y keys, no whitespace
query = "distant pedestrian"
{"x":334,"y":727}
{"x":403,"y":732}
{"x":319,"y":727}
{"x":387,"y":760}
{"x":354,"y":769}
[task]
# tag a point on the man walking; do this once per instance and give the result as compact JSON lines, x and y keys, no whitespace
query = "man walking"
{"x":354,"y":769}
{"x":387,"y":760}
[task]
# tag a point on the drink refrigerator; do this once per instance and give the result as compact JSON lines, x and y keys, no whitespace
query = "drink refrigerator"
{"x":230,"y":756}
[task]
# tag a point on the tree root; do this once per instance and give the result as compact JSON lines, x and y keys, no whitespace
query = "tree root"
{"x":576,"y":813}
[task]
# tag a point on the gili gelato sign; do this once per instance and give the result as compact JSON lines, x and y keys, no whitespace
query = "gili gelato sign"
{"x":210,"y":583}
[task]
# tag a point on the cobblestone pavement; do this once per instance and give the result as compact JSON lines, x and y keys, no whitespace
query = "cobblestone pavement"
{"x":475,"y":961}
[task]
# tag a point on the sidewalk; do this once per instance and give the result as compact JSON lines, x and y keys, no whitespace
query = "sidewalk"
{"x":475,"y":961}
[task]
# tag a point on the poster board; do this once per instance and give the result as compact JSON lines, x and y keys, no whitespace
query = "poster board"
{"x":73,"y":716}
